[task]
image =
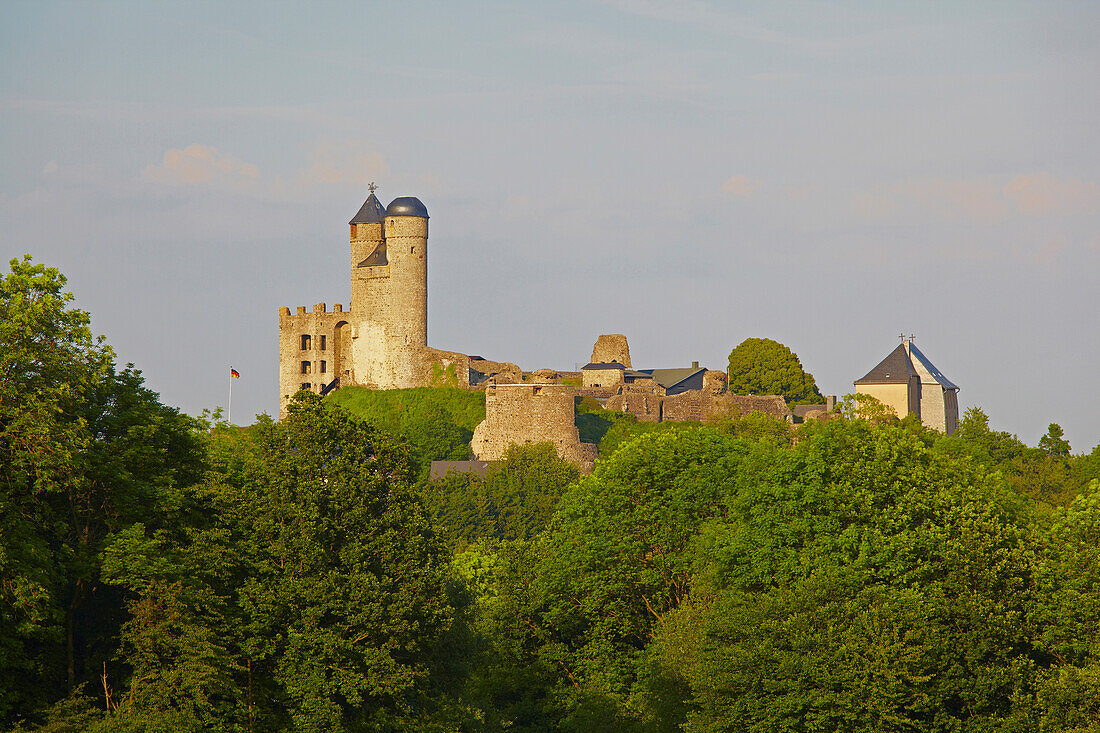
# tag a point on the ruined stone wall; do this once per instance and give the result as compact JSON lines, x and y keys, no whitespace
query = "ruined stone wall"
{"x":611,"y":347}
{"x":601,"y":377}
{"x":699,"y":405}
{"x":322,"y":359}
{"x":530,"y":413}
{"x":714,"y":382}
{"x":642,"y":402}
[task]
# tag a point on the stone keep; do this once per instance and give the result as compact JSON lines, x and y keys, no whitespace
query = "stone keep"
{"x":389,"y":294}
{"x":381,"y":341}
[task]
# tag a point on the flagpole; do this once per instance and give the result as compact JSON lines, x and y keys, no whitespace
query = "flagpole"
{"x":229,"y":416}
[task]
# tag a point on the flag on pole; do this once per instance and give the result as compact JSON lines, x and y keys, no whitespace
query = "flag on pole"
{"x":234,"y":373}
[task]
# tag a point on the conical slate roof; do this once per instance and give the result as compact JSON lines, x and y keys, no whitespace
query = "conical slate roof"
{"x":371,"y":212}
{"x":894,"y":369}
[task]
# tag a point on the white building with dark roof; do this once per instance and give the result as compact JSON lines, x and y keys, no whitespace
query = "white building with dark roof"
{"x":908,"y":382}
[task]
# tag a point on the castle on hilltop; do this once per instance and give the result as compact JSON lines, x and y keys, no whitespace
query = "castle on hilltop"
{"x":381,"y":342}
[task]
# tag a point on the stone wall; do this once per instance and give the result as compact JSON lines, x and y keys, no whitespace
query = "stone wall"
{"x":530,"y":413}
{"x":698,"y":405}
{"x":611,"y":347}
{"x":642,"y":401}
{"x":601,"y":377}
{"x":312,"y":349}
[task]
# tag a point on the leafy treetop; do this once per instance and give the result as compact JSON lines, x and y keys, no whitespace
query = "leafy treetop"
{"x":763,"y":366}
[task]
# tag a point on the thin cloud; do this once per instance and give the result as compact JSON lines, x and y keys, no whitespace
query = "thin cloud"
{"x":202,"y":165}
{"x":740,"y":185}
{"x":980,"y":200}
{"x":976,"y":200}
{"x":1041,"y":194}
{"x":344,"y":162}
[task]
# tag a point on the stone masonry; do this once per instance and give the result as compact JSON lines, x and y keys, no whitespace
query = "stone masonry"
{"x":531,"y":413}
{"x":611,"y":347}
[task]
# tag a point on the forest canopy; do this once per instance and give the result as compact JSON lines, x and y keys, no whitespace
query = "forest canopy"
{"x":166,"y":572}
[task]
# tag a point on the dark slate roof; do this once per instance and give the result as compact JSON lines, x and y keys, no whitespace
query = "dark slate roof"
{"x":894,"y":369}
{"x":371,"y":212}
{"x":603,"y":365}
{"x":669,"y":378}
{"x":936,"y":373}
{"x":376,"y":257}
{"x":407,"y":206}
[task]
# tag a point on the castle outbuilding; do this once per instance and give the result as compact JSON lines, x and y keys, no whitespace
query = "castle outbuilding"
{"x":908,"y":382}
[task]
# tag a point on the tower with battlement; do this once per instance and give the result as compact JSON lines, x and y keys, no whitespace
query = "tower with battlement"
{"x":381,"y":341}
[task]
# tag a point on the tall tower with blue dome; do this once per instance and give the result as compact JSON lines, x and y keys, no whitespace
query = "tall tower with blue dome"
{"x":389,"y":293}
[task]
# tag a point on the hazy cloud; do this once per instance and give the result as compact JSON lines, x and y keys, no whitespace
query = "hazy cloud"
{"x":50,"y":167}
{"x":344,"y":162}
{"x":982,"y":201}
{"x":977,"y":200}
{"x":1042,"y":194}
{"x":202,"y":164}
{"x":740,"y":185}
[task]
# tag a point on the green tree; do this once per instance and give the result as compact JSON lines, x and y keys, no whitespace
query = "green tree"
{"x":861,"y":581}
{"x":574,"y":612}
{"x":513,"y":501}
{"x":309,"y":590}
{"x":1068,"y":615}
{"x":763,"y":366}
{"x":85,"y":450}
{"x":1053,"y":444}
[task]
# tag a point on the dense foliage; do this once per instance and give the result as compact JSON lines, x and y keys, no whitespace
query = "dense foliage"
{"x":434,"y":424}
{"x":164,"y":573}
{"x":763,"y":366}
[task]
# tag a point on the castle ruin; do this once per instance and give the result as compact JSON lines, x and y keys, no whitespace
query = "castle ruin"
{"x":381,"y":342}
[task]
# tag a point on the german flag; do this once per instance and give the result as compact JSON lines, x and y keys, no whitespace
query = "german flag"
{"x":234,"y":373}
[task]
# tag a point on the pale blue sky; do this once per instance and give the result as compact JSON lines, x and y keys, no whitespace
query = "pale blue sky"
{"x":687,"y":173}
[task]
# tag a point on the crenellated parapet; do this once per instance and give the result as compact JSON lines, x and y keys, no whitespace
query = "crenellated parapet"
{"x":314,"y":349}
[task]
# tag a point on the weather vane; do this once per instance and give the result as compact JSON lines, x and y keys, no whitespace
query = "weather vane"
{"x":372,"y":187}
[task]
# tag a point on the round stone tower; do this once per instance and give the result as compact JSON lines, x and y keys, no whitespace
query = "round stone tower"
{"x":406,"y":232}
{"x":389,"y":294}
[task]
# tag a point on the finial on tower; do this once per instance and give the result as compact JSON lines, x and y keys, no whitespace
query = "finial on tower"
{"x":372,"y":187}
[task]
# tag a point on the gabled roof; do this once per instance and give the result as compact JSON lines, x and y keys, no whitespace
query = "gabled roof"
{"x":371,"y":212}
{"x":668,"y":378}
{"x":936,"y":373}
{"x":894,"y":369}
